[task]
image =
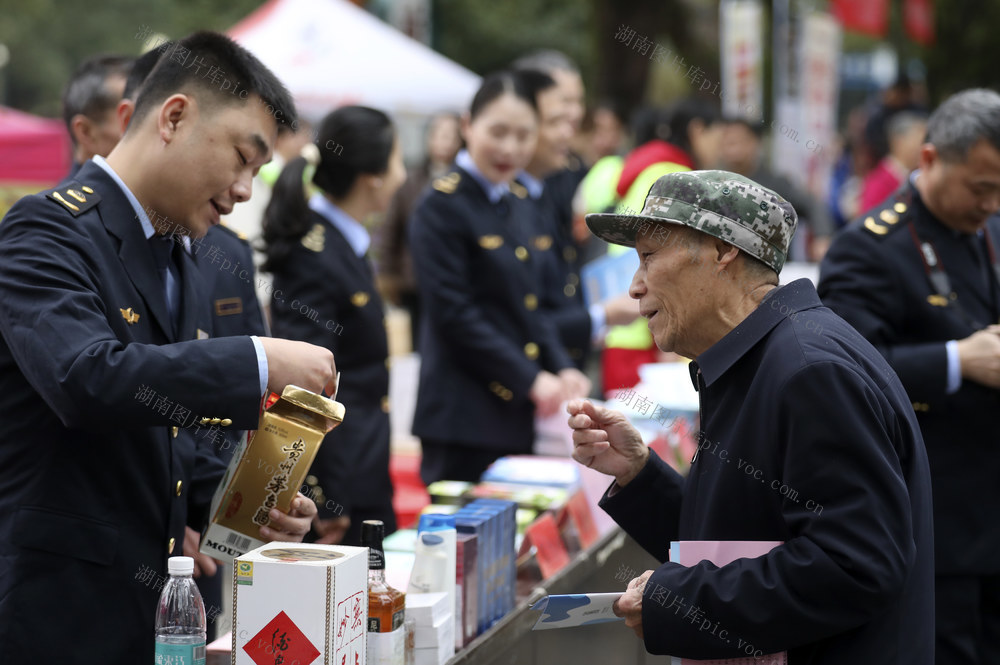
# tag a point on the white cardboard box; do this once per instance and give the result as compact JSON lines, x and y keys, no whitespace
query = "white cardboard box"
{"x":431,"y":637}
{"x":427,"y":609}
{"x":302,"y":602}
{"x":439,"y":654}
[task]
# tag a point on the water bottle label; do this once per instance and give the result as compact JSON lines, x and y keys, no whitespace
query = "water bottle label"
{"x":180,"y":654}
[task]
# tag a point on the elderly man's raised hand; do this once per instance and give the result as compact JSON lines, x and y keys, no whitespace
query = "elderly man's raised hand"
{"x":604,"y":440}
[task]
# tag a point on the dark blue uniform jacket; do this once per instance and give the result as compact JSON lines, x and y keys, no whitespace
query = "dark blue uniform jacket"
{"x":807,"y":438}
{"x":99,"y":473}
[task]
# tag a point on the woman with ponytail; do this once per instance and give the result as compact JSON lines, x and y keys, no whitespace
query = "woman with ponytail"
{"x":324,"y":293}
{"x":490,"y":360}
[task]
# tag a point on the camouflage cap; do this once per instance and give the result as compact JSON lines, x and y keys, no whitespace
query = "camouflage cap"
{"x":722,"y":204}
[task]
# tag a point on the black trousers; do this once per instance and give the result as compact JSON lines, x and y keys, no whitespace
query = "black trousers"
{"x":967,"y":609}
{"x":448,"y":460}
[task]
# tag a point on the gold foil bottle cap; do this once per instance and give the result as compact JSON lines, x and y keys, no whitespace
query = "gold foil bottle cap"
{"x":310,"y":401}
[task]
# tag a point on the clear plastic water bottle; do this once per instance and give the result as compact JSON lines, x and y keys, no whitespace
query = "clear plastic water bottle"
{"x":180,"y":617}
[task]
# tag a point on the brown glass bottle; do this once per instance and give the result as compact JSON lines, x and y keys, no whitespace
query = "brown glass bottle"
{"x":386,"y":605}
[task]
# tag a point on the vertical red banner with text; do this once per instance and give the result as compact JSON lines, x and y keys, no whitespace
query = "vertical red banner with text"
{"x":870,"y":17}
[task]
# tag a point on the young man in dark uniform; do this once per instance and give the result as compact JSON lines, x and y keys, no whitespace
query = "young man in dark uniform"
{"x":105,"y":361}
{"x":225,"y":262}
{"x":918,"y":278}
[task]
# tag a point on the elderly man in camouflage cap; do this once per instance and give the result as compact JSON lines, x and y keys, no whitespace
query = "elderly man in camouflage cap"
{"x":807,"y":439}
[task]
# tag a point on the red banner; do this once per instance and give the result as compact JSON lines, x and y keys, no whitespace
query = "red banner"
{"x":918,"y":19}
{"x":870,"y":17}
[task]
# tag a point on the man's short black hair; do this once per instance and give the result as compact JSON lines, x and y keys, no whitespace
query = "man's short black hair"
{"x":86,"y":92}
{"x":536,"y":81}
{"x":215,"y":70}
{"x":143,"y":66}
{"x":753,"y":126}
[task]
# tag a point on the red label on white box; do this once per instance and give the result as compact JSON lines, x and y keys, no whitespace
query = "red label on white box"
{"x":280,"y":641}
{"x":350,"y":623}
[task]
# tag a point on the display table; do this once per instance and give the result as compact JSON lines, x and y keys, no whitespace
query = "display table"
{"x":511,"y":641}
{"x":606,"y":566}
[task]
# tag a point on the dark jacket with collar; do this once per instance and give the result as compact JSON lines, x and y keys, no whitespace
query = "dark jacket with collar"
{"x":558,"y":264}
{"x":225,"y":261}
{"x":483,"y":339}
{"x":98,"y":480}
{"x":225,"y":264}
{"x":325,"y":294}
{"x":807,"y":438}
{"x":874,"y":277}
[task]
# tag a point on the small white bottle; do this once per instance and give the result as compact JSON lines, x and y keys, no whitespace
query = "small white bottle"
{"x":180,"y":617}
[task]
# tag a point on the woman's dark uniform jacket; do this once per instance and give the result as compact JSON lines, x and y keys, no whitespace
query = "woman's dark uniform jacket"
{"x":874,"y":277}
{"x":558,"y":263}
{"x":483,"y":339}
{"x":325,"y":294}
{"x":99,"y":474}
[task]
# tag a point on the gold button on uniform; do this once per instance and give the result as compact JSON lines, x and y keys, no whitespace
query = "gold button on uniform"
{"x":180,"y":484}
{"x":170,"y":545}
{"x":531,"y":350}
{"x":175,"y":431}
{"x":506,"y":395}
{"x":215,"y":421}
{"x":569,"y":290}
{"x":205,"y":421}
{"x":573,"y":279}
{"x":385,"y":404}
{"x":531,"y":302}
{"x":225,"y":422}
{"x":900,"y":207}
{"x":521,"y":253}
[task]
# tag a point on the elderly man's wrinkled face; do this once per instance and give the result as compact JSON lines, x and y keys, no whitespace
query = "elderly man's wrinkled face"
{"x":673,"y":285}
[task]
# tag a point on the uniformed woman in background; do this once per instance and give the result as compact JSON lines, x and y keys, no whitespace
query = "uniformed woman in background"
{"x":489,"y":359}
{"x":324,"y":293}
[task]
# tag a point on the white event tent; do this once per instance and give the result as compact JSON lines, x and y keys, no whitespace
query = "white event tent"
{"x":330,"y":53}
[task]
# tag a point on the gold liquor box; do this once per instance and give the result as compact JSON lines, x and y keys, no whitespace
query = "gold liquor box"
{"x":267,"y":470}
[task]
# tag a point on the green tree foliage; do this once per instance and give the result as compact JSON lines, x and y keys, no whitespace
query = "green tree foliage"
{"x":47,"y":39}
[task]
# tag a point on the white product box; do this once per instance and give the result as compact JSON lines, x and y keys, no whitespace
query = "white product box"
{"x":431,"y":637}
{"x":300,"y":602}
{"x":427,"y":609}
{"x":439,"y":654}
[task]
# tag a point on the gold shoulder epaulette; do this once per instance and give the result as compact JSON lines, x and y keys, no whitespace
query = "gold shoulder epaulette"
{"x":881,"y":223}
{"x":315,"y":240}
{"x":75,"y":197}
{"x":447,"y":184}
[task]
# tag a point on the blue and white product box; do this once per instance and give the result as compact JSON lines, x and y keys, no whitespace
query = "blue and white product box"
{"x":491,"y":513}
{"x":507,"y":553}
{"x":472,"y":523}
